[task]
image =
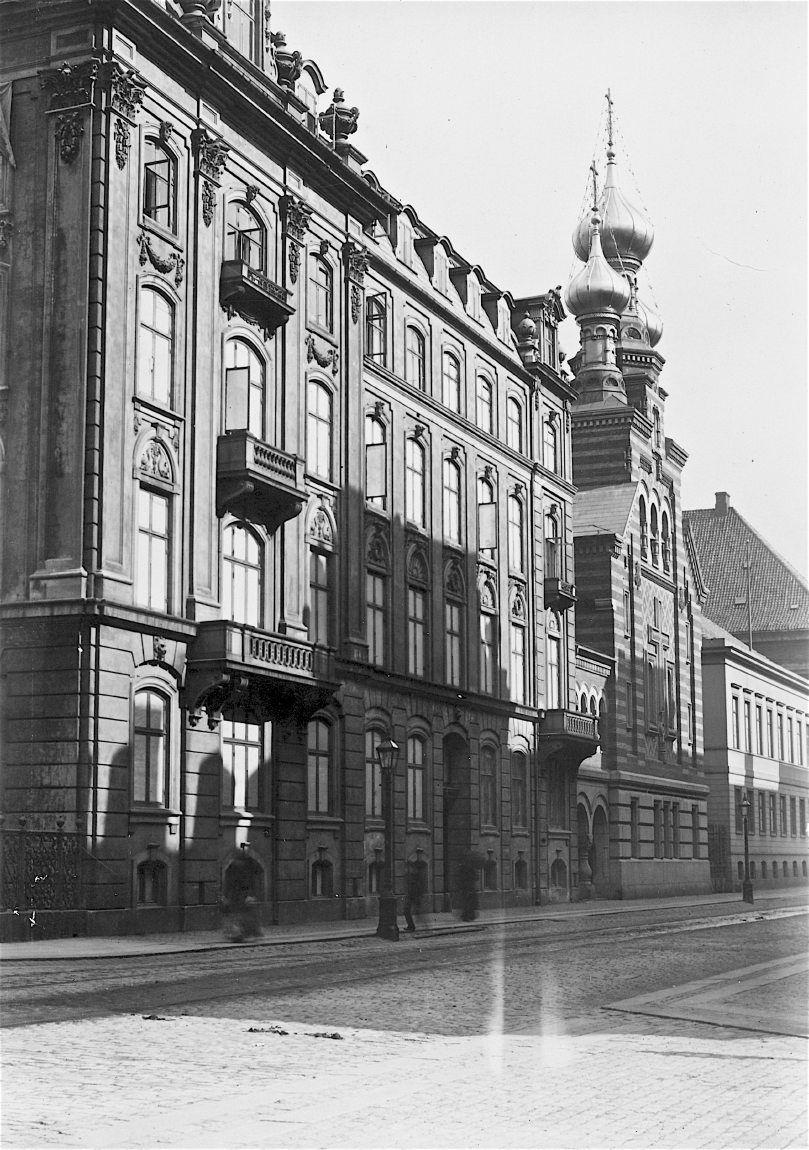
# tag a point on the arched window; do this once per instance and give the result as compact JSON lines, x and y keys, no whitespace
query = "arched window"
{"x":416,"y":359}
{"x":319,"y":430}
{"x":241,"y":27}
{"x":583,"y":703}
{"x":554,"y":567}
{"x":376,"y":601}
{"x":517,"y":648}
{"x":150,"y":760}
{"x":666,"y":542}
{"x":451,"y":381}
{"x":488,"y":637}
{"x":644,"y":531}
{"x":485,"y":404}
{"x":373,"y":774}
{"x":242,"y":756}
{"x":376,"y":329}
{"x":244,"y":389}
{"x":487,"y":518}
{"x":454,"y":615}
{"x":521,"y":873}
{"x":513,"y":424}
{"x":245,"y":237}
{"x":417,"y":615}
{"x":321,"y":298}
{"x":322,"y":878}
{"x":242,"y":575}
{"x":414,"y":481}
{"x":415,"y":778}
{"x":452,"y":501}
{"x":376,"y":462}
{"x":159,"y":184}
{"x":654,"y":536}
{"x":319,"y":755}
{"x":488,"y":787}
{"x":550,"y":443}
{"x":153,"y":550}
{"x":155,"y":346}
{"x":319,"y":597}
{"x":516,"y":534}
{"x":553,"y":663}
{"x":152,"y":883}
{"x":519,"y":789}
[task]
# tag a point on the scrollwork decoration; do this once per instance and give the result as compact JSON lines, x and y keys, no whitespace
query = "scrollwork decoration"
{"x":322,"y":358}
{"x":164,"y":264}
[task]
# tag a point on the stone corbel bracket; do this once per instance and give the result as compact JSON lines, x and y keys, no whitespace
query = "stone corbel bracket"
{"x":296,"y":215}
{"x":356,"y":257}
{"x":210,"y":156}
{"x":125,"y":88}
{"x":71,"y":89}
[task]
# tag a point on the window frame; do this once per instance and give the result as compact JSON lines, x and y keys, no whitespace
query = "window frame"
{"x":415,"y":482}
{"x":162,"y":396}
{"x":319,"y":431}
{"x":451,"y":500}
{"x":238,"y":564}
{"x":376,"y":328}
{"x":415,"y":357}
{"x":239,"y":244}
{"x":161,"y":800}
{"x":489,"y":793}
{"x":232,"y":741}
{"x":515,"y":432}
{"x":452,"y":379}
{"x":149,"y":207}
{"x":319,"y":774}
{"x":320,"y":294}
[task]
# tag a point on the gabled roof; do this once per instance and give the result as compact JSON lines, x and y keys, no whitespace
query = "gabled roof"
{"x":779,"y":595}
{"x":603,"y":510}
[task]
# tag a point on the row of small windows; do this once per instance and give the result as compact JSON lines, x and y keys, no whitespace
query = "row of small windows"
{"x":773,"y":734}
{"x":655,"y":535}
{"x":667,"y":829}
{"x":765,"y":874}
{"x":771,"y":814}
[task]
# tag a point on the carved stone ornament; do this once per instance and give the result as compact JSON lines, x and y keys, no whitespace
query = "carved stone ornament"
{"x":453,"y":581}
{"x":637,"y":573}
{"x":159,"y":648}
{"x":296,"y":215}
{"x":6,"y":228}
{"x":121,"y":135}
{"x":487,"y":592}
{"x":164,"y":130}
{"x":320,"y":528}
{"x":250,"y":192}
{"x":71,"y":85}
{"x":377,"y":551}
{"x":322,"y":358}
{"x":173,"y":262}
{"x":211,"y":154}
{"x":288,"y":64}
{"x":155,"y":462}
{"x":69,"y":131}
{"x":126,"y":89}
{"x":417,"y":569}
{"x":339,"y":122}
{"x":208,"y":203}
{"x":356,"y":302}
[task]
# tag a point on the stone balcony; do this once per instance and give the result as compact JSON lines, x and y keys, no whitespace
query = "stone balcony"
{"x":248,"y":292}
{"x":236,"y":667}
{"x":257,"y":482}
{"x":570,"y":733}
{"x":560,"y":594}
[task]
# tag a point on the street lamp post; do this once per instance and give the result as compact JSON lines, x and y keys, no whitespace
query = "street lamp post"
{"x":747,"y":886}
{"x":388,"y":752}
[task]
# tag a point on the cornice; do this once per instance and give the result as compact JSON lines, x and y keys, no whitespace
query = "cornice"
{"x":718,"y":651}
{"x":677,"y":454}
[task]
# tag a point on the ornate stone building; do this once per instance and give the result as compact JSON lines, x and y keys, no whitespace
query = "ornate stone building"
{"x":286,"y":475}
{"x":639,"y":586}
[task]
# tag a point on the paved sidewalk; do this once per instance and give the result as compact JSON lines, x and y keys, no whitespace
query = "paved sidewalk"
{"x":181,"y":943}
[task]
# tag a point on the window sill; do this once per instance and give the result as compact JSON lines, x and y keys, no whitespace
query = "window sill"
{"x":374,"y":823}
{"x":323,"y":822}
{"x":233,"y":816}
{"x":488,"y":829}
{"x":153,"y":816}
{"x":323,"y":332}
{"x":149,"y":225}
{"x":417,"y":826}
{"x":155,"y":407}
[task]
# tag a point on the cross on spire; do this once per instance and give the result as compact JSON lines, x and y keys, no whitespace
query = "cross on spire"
{"x":594,"y":173}
{"x":609,"y":114}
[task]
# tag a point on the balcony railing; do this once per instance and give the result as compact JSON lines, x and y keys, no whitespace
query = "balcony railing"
{"x":256,"y":481}
{"x":248,"y":292}
{"x":559,"y":593}
{"x":570,"y":724}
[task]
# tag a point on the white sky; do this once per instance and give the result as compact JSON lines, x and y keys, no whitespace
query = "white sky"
{"x":484,"y":117}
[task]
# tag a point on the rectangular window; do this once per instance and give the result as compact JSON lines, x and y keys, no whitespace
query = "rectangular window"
{"x":627,"y":615}
{"x":319,"y":629}
{"x":782,"y":813}
{"x":791,"y":739}
{"x":735,"y":734}
{"x":318,"y":760}
{"x":762,"y":813}
{"x":780,"y":726}
{"x":242,"y":755}
{"x":554,"y":685}
{"x":487,"y":653}
{"x":770,"y":744}
{"x":658,"y":829}
{"x":375,"y":618}
{"x":759,"y":730}
{"x":376,"y":328}
{"x":799,"y":740}
{"x":152,"y":566}
{"x":487,"y":527}
{"x":634,"y":828}
{"x":667,"y":824}
{"x":488,"y":788}
{"x":415,"y":631}
{"x":689,"y":717}
{"x":150,"y":749}
{"x":241,"y":27}
{"x":802,"y":817}
{"x":793,"y":816}
{"x":675,"y":830}
{"x":773,"y":823}
{"x":630,"y":704}
{"x":747,"y":742}
{"x":737,"y":824}
{"x":689,"y":642}
{"x":452,"y":649}
{"x":373,"y":776}
{"x":517,"y":668}
{"x":695,"y":850}
{"x":519,"y":789}
{"x":415,"y":780}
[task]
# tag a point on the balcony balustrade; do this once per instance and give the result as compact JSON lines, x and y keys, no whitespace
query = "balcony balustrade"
{"x":248,"y":292}
{"x":571,"y":733}
{"x":257,"y":482}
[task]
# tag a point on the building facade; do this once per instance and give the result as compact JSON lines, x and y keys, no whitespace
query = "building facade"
{"x":285,"y":476}
{"x":756,"y":717}
{"x":639,"y":587}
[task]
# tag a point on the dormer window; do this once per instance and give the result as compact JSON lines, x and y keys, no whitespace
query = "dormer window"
{"x":241,"y":27}
{"x":159,"y":185}
{"x":246,"y":238}
{"x":473,"y":297}
{"x":405,"y":241}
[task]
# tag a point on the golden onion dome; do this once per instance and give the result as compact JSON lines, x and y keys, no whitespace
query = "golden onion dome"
{"x":596,"y":287}
{"x":652,"y":322}
{"x":627,"y":234}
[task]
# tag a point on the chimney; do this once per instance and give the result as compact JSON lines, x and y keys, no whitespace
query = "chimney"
{"x":722,"y":503}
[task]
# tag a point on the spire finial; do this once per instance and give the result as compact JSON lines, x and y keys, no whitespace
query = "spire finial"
{"x":609,"y":115}
{"x":594,"y":174}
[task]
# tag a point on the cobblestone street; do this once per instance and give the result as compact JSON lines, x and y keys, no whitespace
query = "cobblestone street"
{"x":496,"y":1038}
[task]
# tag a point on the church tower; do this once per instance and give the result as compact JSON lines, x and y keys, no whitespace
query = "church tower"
{"x":643,"y":802}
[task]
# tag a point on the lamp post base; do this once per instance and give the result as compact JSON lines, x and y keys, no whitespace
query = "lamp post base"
{"x":747,"y":891}
{"x":388,"y":926}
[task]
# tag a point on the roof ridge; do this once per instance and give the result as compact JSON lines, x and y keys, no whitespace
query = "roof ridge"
{"x":776,"y":555}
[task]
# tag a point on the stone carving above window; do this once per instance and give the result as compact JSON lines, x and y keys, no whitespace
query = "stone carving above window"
{"x":173,"y":262}
{"x":454,"y":581}
{"x":417,"y":569}
{"x":155,"y":462}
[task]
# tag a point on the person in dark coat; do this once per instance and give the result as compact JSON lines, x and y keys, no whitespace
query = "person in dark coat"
{"x":468,"y":870}
{"x":413,"y":893}
{"x":240,"y":906}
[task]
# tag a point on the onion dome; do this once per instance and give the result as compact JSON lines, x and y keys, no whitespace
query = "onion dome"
{"x":652,"y":322}
{"x":596,"y":287}
{"x":627,"y":234}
